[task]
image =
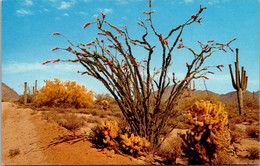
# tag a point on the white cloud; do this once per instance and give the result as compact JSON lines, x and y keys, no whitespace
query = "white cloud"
{"x":188,"y":1}
{"x":108,"y":11}
{"x":66,"y":5}
{"x":28,"y":2}
{"x":23,"y":12}
{"x":83,"y":13}
{"x":27,"y":67}
{"x":65,"y":14}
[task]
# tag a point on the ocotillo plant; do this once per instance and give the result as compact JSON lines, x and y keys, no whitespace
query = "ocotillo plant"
{"x":136,"y":85}
{"x":239,"y":84}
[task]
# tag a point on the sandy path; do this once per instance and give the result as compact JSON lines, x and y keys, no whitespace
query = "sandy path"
{"x":19,"y":132}
{"x":29,"y":132}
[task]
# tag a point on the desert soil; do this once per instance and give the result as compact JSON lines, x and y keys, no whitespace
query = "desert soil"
{"x":26,"y":130}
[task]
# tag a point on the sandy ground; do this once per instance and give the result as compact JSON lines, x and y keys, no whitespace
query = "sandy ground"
{"x":27,"y":131}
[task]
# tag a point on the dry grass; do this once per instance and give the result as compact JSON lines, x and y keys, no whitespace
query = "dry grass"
{"x":171,"y":150}
{"x":224,"y":158}
{"x":253,"y":131}
{"x":71,"y":121}
{"x":253,"y":153}
{"x":14,"y":152}
{"x":236,"y":133}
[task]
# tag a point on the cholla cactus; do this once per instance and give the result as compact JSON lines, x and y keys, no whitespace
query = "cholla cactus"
{"x":209,"y":135}
{"x":134,"y":145}
{"x":106,"y":135}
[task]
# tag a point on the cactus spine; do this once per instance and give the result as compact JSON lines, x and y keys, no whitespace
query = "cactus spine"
{"x":239,"y":84}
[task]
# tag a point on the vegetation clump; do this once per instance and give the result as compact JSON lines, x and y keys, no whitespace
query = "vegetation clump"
{"x":134,"y":145}
{"x":209,"y":136}
{"x":64,"y":94}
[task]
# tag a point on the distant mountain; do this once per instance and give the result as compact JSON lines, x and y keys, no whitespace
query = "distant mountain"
{"x":8,"y":94}
{"x":225,"y":98}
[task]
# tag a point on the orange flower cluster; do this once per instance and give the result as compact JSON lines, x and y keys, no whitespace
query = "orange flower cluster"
{"x":56,"y":33}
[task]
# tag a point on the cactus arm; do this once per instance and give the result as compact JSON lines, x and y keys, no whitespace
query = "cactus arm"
{"x":243,"y":79}
{"x":237,"y":75}
{"x":232,"y":77}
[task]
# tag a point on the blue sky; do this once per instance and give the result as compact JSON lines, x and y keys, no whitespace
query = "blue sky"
{"x":27,"y":27}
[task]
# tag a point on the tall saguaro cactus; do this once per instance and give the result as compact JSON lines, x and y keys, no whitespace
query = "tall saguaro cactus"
{"x":239,"y":84}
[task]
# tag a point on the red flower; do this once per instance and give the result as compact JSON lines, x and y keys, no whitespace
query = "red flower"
{"x":107,"y":63}
{"x":161,"y":39}
{"x":211,"y":72}
{"x":194,"y":16}
{"x":69,"y":48}
{"x":220,"y":66}
{"x":102,"y":40}
{"x":87,"y":24}
{"x":88,"y":44}
{"x":210,"y":41}
{"x":93,"y":42}
{"x":111,"y":46}
{"x":103,"y":15}
{"x":180,"y":46}
{"x":132,"y":42}
{"x":145,"y":61}
{"x":173,"y":73}
{"x":186,"y":95}
{"x":165,"y":41}
{"x":193,"y":90}
{"x":56,"y":33}
{"x":98,"y":18}
{"x":55,"y":48}
{"x":180,"y":39}
{"x":57,"y":60}
{"x":46,"y":62}
{"x":150,"y":3}
{"x":187,"y":64}
{"x":205,"y":77}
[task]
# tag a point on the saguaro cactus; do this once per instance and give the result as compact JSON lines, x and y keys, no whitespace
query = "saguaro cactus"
{"x":239,"y":84}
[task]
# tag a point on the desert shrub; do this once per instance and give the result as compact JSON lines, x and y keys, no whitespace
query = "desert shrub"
{"x":171,"y":150}
{"x":14,"y":152}
{"x":253,"y":131}
{"x":235,"y":133}
{"x":101,"y":96}
{"x":134,"y":145}
{"x":63,"y":94}
{"x":225,"y":158}
{"x":71,"y":121}
{"x":105,"y":135}
{"x":187,"y":102}
{"x":209,"y":135}
{"x":253,"y":153}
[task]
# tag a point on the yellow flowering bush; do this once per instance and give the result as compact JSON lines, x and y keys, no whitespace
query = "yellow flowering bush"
{"x":58,"y":93}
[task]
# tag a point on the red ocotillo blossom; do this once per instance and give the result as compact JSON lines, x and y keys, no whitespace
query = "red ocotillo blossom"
{"x":103,"y":15}
{"x":69,"y":48}
{"x":56,"y":33}
{"x":134,"y":43}
{"x":87,"y":24}
{"x":55,"y":48}
{"x":150,"y":3}
{"x":57,"y":60}
{"x":46,"y":62}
